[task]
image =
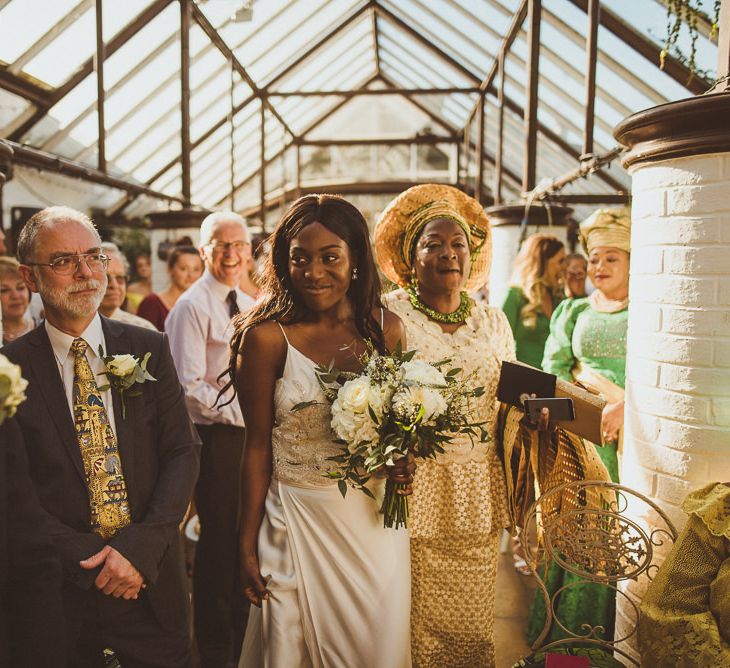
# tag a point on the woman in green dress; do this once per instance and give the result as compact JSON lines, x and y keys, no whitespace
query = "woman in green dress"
{"x":535,"y":292}
{"x":587,"y":345}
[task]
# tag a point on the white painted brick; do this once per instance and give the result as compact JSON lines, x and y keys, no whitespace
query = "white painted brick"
{"x":672,"y":349}
{"x":643,"y":371}
{"x":646,"y":318}
{"x":726,"y":166}
{"x":704,"y":381}
{"x":651,"y":262}
{"x":648,"y":203}
{"x":705,"y":169}
{"x":697,"y":260}
{"x":692,"y":438}
{"x":637,"y":424}
{"x":672,"y":462}
{"x":638,"y":478}
{"x":664,"y":403}
{"x":723,"y":292}
{"x":673,"y":490}
{"x":722,"y":353}
{"x":720,"y":412}
{"x":680,"y":290}
{"x":698,"y":322}
{"x":678,"y":230}
{"x":683,"y":200}
{"x":724,"y":228}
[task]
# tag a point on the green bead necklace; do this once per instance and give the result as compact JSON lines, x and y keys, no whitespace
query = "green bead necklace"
{"x":460,"y":315}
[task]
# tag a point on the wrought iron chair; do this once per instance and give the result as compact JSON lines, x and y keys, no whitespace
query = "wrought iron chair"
{"x":590,"y":529}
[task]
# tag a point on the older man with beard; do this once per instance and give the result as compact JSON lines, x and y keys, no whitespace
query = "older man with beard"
{"x":113,"y":457}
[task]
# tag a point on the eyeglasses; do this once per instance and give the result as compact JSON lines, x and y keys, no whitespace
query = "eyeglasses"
{"x":223,"y":246}
{"x":69,"y":264}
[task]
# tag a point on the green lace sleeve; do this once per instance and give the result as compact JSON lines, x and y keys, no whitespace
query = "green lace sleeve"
{"x":558,"y":357}
{"x":513,"y":302}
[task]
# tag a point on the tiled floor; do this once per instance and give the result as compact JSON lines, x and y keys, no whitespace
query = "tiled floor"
{"x":514,"y":596}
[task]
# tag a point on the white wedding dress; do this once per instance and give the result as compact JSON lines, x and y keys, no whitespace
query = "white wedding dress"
{"x":339,"y":582}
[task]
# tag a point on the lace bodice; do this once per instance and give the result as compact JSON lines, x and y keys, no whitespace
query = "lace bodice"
{"x":301,"y":440}
{"x":478,"y":347}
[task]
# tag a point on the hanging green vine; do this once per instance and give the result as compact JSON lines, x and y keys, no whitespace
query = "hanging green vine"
{"x":687,"y":12}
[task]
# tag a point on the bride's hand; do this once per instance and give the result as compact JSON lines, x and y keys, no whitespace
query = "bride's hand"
{"x":254,"y":586}
{"x":401,"y":473}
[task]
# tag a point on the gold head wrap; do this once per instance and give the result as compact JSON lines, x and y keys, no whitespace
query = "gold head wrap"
{"x":405,"y":217}
{"x":607,"y":228}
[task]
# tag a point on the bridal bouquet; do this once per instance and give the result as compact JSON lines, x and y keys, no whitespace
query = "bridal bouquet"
{"x":396,"y":405}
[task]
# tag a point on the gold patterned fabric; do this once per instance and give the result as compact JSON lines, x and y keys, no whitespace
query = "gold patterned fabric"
{"x":459,"y":503}
{"x":685,"y":613}
{"x":99,"y":451}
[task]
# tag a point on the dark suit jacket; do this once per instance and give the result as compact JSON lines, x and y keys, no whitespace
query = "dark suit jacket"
{"x":160,"y":457}
{"x":31,"y":613}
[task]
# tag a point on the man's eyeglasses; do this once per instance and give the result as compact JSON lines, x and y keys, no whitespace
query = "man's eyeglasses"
{"x":69,"y":264}
{"x":223,"y":246}
{"x":117,"y":278}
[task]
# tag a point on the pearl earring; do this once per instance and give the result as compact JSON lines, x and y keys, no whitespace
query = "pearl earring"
{"x":354,"y":274}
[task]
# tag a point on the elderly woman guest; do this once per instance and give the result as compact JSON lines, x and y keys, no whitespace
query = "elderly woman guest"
{"x":587,"y":344}
{"x":184,"y":266}
{"x":535,"y":292}
{"x":434,"y":241}
{"x":116,"y":288}
{"x":14,"y":298}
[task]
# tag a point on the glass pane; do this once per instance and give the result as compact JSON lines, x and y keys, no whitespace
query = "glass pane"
{"x":67,"y":52}
{"x":18,"y":34}
{"x":11,"y":107}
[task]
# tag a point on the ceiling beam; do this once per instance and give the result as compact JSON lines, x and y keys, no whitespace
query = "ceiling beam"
{"x":375,"y":91}
{"x":422,"y":107}
{"x":376,"y":39}
{"x":22,"y":86}
{"x":114,"y":44}
{"x":32,"y":157}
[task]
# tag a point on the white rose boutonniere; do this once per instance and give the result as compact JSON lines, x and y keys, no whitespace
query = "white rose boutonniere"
{"x":124,"y":372}
{"x":12,"y":388}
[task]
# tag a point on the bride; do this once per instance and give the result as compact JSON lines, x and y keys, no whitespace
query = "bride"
{"x":331,"y":585}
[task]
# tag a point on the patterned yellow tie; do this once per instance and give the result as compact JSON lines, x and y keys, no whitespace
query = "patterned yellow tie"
{"x":98,"y":444}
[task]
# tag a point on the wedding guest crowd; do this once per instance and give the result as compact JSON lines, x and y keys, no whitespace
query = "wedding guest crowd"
{"x":114,"y":463}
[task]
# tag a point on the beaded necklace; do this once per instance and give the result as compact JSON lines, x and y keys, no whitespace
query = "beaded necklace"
{"x":460,"y":315}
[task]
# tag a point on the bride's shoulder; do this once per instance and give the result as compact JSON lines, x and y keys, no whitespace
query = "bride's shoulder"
{"x":264,"y":335}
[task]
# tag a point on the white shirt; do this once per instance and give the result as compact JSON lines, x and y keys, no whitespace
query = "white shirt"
{"x":131,"y":319}
{"x":199,"y":328}
{"x":61,"y":344}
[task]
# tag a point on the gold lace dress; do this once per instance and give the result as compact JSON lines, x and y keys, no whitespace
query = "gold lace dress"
{"x":459,"y":506}
{"x":685,"y":614}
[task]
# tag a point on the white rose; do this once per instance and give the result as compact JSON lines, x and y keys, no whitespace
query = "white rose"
{"x":12,"y":387}
{"x":422,"y":373}
{"x":121,"y":365}
{"x":351,"y":419}
{"x":409,"y":400}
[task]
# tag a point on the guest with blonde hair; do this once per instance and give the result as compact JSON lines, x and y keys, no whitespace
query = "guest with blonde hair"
{"x":14,"y":298}
{"x":535,"y":292}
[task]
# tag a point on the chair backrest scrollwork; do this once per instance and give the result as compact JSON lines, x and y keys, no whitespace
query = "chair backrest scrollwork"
{"x":602,"y":533}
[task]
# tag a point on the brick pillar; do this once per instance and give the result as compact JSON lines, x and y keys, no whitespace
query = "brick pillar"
{"x":677,"y":417}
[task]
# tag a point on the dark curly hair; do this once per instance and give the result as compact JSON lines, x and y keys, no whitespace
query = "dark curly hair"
{"x":280,"y":301}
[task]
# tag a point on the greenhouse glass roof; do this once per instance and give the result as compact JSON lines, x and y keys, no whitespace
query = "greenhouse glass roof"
{"x":389,"y":88}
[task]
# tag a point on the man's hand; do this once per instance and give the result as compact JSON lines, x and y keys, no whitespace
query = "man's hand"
{"x":118,"y":578}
